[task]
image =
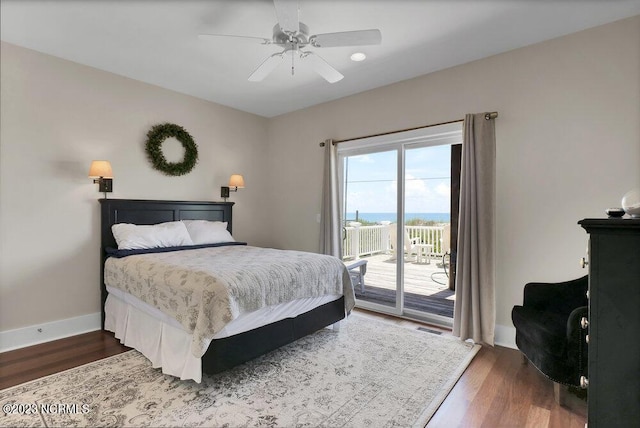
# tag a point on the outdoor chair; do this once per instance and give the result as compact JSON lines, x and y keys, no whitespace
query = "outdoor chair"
{"x":409,"y":243}
{"x":357,"y":270}
{"x":549,"y":331}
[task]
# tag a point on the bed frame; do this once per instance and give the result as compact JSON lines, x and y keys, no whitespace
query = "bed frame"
{"x":230,"y":351}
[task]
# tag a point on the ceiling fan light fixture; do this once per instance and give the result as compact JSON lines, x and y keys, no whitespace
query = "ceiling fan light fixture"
{"x":358,"y":56}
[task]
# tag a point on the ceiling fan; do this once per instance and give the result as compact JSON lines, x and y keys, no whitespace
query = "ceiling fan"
{"x":293,"y":36}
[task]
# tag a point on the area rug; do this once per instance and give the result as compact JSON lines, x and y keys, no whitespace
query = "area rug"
{"x":368,"y":374}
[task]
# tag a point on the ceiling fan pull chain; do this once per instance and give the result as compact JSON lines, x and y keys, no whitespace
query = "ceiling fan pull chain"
{"x":292,"y":67}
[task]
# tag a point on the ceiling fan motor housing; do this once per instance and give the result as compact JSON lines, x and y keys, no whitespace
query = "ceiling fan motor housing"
{"x":300,"y":38}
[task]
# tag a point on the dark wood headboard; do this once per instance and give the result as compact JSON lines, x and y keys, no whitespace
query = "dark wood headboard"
{"x":139,"y":211}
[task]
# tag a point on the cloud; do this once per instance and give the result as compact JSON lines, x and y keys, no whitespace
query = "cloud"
{"x":363,"y":159}
{"x":415,"y":187}
{"x":443,"y":189}
{"x":421,"y":195}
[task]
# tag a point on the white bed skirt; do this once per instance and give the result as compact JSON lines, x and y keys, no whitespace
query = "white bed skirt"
{"x":167,"y":345}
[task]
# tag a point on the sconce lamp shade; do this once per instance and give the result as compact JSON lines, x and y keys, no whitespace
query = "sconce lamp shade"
{"x":100,"y":168}
{"x":102,"y":174}
{"x":236,"y":180}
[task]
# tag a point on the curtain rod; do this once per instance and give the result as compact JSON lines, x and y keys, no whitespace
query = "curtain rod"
{"x":487,"y":116}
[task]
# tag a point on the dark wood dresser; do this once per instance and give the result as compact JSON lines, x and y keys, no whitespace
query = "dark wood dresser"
{"x":613,"y":323}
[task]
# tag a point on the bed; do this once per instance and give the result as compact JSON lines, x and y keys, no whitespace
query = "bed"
{"x":163,"y":336}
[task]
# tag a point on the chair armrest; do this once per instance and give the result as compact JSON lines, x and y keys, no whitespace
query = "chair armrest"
{"x":360,"y":264}
{"x":560,"y":297}
{"x":576,"y":339}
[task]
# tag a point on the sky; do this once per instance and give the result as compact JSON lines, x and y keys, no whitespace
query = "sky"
{"x":372,"y":187}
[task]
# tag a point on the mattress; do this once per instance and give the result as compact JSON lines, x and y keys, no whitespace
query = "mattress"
{"x":244,"y":322}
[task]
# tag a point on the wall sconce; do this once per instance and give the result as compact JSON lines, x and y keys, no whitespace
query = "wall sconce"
{"x":235,"y":182}
{"x":102,"y":174}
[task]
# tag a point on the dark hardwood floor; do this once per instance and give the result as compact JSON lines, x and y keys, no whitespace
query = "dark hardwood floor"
{"x":498,"y":389}
{"x":33,"y":362}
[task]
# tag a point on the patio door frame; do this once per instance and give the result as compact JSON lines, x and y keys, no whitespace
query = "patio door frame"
{"x":446,"y":134}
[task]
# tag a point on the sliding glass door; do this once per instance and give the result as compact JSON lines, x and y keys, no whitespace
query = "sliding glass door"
{"x":427,"y":202}
{"x":370,"y":212}
{"x":397,"y":193}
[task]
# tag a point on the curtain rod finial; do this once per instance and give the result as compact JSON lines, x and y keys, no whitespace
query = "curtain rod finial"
{"x":491,"y":115}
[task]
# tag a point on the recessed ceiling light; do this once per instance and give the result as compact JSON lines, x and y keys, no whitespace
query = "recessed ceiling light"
{"x":358,"y":56}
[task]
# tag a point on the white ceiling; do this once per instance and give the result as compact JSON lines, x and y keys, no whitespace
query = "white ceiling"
{"x":156,"y":41}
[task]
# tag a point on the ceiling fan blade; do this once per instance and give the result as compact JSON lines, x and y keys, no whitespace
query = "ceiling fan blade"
{"x":287,"y":13}
{"x":321,"y":67}
{"x":347,"y":38}
{"x":218,"y":36}
{"x":266,"y":67}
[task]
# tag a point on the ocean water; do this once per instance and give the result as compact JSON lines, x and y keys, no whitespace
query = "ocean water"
{"x":377,"y":217}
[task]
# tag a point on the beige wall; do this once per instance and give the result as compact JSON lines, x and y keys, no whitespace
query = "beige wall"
{"x":568,"y":146}
{"x":57,"y":116}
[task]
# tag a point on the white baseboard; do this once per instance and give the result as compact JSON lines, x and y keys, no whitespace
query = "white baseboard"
{"x":41,"y":333}
{"x":505,"y":336}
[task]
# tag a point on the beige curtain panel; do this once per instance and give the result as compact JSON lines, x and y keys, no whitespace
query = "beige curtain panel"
{"x":474,"y":311}
{"x":330,"y":228}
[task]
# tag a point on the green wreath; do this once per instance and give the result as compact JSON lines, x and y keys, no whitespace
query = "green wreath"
{"x":156,"y":136}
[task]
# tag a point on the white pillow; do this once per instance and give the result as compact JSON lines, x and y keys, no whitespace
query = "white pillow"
{"x":134,"y":237}
{"x":208,"y":232}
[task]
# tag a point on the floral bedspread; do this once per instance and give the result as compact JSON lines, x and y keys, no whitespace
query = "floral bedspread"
{"x":205,"y":289}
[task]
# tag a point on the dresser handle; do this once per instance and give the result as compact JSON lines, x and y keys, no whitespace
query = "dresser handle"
{"x":587,"y":294}
{"x":586,"y":339}
{"x":584,"y":323}
{"x":583,"y":262}
{"x":584,"y":382}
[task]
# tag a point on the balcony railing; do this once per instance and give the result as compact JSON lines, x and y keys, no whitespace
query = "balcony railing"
{"x":368,"y":240}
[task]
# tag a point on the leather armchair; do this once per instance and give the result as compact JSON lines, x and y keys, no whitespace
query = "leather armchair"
{"x":548,"y":330}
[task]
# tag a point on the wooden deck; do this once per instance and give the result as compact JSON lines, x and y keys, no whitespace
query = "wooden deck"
{"x":426,"y":285}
